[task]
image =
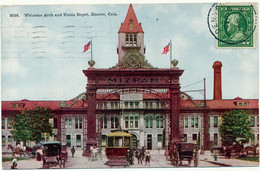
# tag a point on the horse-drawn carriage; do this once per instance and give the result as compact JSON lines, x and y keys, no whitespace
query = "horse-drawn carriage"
{"x":181,"y":151}
{"x":53,"y":155}
{"x":117,"y":145}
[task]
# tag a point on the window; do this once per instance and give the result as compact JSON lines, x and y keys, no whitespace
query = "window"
{"x":185,"y":137}
{"x":9,"y":123}
{"x":78,"y":140}
{"x":114,"y":122}
{"x":136,"y":105}
{"x":245,"y":104}
{"x":194,"y":138}
{"x":131,"y":105}
{"x":131,"y":40}
{"x":78,"y":123}
{"x":9,"y":140}
{"x":240,"y":104}
{"x":68,"y":140}
{"x":116,"y":105}
{"x":159,"y":137}
{"x":112,"y":105}
{"x":186,"y":122}
{"x":215,"y":121}
{"x":13,"y":105}
{"x":257,"y":122}
{"x":159,"y":121}
{"x":131,"y":121}
{"x":253,"y":140}
{"x":151,"y":105}
{"x":192,"y":122}
{"x":146,"y":105}
{"x":3,"y":123}
{"x":196,"y":122}
{"x":3,"y":140}
{"x":157,"y":105}
{"x":131,"y":25}
{"x":103,"y":122}
{"x":209,"y":121}
{"x":215,"y":139}
{"x":68,"y":123}
{"x":104,"y":140}
{"x":20,"y":105}
{"x":105,"y":105}
{"x":55,"y":123}
{"x":252,"y":121}
{"x":126,"y":105}
{"x":149,"y":121}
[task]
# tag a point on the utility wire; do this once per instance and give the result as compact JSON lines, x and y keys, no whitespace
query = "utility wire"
{"x":192,"y":84}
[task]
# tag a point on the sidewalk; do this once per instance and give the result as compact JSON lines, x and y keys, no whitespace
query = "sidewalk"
{"x":233,"y":162}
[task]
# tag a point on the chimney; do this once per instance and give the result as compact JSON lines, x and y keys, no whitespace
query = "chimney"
{"x":217,"y":94}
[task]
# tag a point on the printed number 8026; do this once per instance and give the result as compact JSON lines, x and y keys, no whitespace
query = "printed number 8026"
{"x":14,"y":15}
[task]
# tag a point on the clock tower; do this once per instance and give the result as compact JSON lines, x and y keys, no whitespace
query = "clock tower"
{"x":130,"y":35}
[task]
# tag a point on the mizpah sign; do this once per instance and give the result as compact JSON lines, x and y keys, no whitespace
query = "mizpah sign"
{"x":135,"y":80}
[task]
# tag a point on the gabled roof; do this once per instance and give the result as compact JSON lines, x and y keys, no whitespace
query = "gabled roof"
{"x":130,"y":16}
{"x":222,"y":104}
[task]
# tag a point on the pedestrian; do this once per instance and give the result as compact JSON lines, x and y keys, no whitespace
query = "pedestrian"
{"x":14,"y":163}
{"x":95,"y":153}
{"x":72,"y":151}
{"x":147,"y":158}
{"x":127,"y":157}
{"x":228,"y":152}
{"x":142,"y":153}
{"x":131,"y":155}
{"x":139,"y":157}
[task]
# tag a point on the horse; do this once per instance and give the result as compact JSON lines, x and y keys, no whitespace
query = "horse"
{"x":15,"y":150}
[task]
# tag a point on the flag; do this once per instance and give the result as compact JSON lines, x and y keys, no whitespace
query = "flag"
{"x":166,"y":48}
{"x":86,"y":47}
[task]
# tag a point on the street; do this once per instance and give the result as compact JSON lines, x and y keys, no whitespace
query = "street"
{"x":158,"y":160}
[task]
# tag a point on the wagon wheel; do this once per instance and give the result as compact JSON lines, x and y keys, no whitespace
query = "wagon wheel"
{"x":189,"y":161}
{"x":43,"y":164}
{"x":60,"y":163}
{"x":63,"y":163}
{"x":177,"y":161}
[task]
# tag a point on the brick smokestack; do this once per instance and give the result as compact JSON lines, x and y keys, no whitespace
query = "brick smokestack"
{"x":217,"y":81}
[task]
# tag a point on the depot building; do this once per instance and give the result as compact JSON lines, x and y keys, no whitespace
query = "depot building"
{"x":135,"y":96}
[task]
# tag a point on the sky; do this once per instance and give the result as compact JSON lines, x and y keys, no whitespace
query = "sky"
{"x":42,"y":59}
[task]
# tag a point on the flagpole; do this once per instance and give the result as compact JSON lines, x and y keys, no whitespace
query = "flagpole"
{"x":170,"y":53}
{"x":91,"y":48}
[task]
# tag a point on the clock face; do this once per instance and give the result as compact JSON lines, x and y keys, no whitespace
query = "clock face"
{"x":133,"y":61}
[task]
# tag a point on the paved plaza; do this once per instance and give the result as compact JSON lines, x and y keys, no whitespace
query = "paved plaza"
{"x":158,"y":160}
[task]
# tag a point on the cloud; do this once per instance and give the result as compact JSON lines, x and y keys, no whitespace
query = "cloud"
{"x":14,"y":67}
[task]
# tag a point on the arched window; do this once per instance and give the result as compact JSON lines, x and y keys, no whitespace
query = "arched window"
{"x":131,"y":25}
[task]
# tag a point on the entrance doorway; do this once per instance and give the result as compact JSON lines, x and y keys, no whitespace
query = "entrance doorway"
{"x":134,"y":140}
{"x":149,"y":142}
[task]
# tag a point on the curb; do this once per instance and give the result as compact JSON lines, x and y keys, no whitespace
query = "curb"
{"x":217,"y":163}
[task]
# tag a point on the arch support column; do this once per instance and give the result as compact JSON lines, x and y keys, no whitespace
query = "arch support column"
{"x":89,"y":127}
{"x":175,"y":114}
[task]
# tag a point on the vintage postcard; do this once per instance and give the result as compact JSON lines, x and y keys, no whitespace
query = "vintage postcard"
{"x":130,"y":85}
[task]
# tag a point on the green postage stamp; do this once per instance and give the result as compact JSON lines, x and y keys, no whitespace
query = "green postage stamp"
{"x":233,"y":25}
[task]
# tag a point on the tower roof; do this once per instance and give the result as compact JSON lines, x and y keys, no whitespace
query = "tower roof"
{"x":130,"y":17}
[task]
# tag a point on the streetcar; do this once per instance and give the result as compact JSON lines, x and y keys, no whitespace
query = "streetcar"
{"x":118,"y":143}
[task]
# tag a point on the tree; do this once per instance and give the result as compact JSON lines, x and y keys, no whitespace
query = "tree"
{"x":235,"y":124}
{"x":31,"y":123}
